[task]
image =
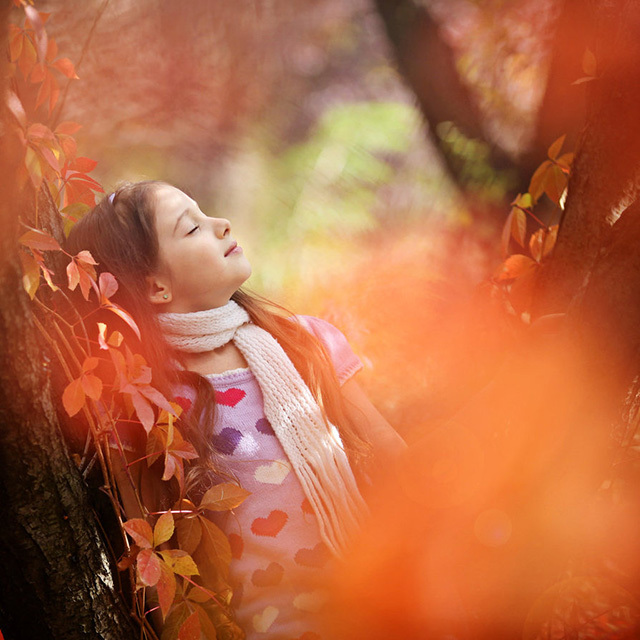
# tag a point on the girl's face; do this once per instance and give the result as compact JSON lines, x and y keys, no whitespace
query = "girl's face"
{"x":200,"y":265}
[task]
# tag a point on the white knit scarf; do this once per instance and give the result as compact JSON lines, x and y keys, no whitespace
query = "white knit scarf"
{"x":312,"y":444}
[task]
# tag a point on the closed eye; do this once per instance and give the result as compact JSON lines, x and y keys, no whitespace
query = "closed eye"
{"x":194,"y":229}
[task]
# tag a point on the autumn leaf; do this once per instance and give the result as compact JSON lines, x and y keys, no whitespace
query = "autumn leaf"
{"x":164,"y":528}
{"x":73,"y":397}
{"x":107,"y":285}
{"x":36,"y":239}
{"x":189,"y":533}
{"x":180,"y":562}
{"x":555,"y":147}
{"x":223,"y":497}
{"x":148,"y":566}
{"x":68,"y":128}
{"x":65,"y":67}
{"x":536,"y":244}
{"x":140,"y":531}
{"x":166,"y":588}
{"x":190,"y":629}
{"x":514,"y":267}
{"x":550,"y":240}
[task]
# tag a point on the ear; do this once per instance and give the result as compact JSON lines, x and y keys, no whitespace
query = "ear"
{"x":158,"y":289}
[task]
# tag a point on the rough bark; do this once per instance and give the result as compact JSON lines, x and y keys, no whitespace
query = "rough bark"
{"x":56,"y":579}
{"x":605,"y":169}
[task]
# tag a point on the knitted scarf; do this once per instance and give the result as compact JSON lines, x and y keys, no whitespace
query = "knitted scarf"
{"x":312,"y":443}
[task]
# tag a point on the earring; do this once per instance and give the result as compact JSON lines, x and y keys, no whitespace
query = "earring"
{"x":165,"y":296}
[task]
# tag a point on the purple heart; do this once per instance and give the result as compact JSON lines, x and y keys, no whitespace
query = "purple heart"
{"x":263,"y":426}
{"x":227,"y":440}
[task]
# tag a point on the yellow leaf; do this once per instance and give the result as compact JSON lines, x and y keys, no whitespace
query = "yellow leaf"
{"x":223,"y":497}
{"x":163,"y":529}
{"x":189,"y":533}
{"x":30,"y":274}
{"x":554,"y":149}
{"x":180,"y":562}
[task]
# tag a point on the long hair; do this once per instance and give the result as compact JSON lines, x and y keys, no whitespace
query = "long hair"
{"x":121,"y":235}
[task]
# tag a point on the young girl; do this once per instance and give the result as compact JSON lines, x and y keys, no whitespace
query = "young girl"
{"x":290,"y":423}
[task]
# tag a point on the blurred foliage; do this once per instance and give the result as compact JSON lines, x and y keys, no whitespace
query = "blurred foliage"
{"x":290,"y":119}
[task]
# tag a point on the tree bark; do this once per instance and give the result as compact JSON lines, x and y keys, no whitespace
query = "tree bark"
{"x":56,"y":579}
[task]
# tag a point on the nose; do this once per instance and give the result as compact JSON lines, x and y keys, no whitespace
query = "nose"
{"x":222,"y":227}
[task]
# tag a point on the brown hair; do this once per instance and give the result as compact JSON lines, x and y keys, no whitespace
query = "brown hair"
{"x":120,"y":233}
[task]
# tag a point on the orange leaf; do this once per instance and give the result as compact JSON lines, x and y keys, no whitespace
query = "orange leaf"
{"x":536,"y":244}
{"x":68,"y":127}
{"x":514,"y":266}
{"x":148,"y":566}
{"x":166,"y":588}
{"x":119,"y":311}
{"x":518,"y":225}
{"x":15,"y":44}
{"x":536,"y":186}
{"x":38,"y":73}
{"x":52,"y":50}
{"x":92,"y":386}
{"x":180,"y":562}
{"x":140,"y":531}
{"x":189,"y":533}
{"x":83,"y":165}
{"x":555,"y":147}
{"x":163,"y":529}
{"x":223,"y":497}
{"x":86,"y":257}
{"x":54,"y":93}
{"x":36,"y":239}
{"x":190,"y":629}
{"x":555,"y":183}
{"x":27,"y":58}
{"x":65,"y":67}
{"x":73,"y":397}
{"x":73,"y":275}
{"x":143,"y":409}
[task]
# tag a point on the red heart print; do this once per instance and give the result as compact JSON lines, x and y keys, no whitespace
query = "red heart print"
{"x":237,"y":545}
{"x":271,"y":525}
{"x":230,"y":397}
{"x":306,"y":507}
{"x":269,"y":577}
{"x":315,"y":557}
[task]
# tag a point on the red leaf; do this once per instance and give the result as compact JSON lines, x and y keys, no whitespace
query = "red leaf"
{"x":166,"y":588}
{"x":68,"y":127}
{"x":148,"y":567}
{"x":36,"y":239}
{"x":83,"y":165}
{"x":143,"y":409}
{"x":86,"y":257}
{"x":190,"y":629}
{"x":65,"y":67}
{"x":107,"y":284}
{"x":140,"y":531}
{"x":73,"y":397}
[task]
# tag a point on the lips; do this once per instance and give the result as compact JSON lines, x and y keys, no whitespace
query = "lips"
{"x":230,"y":249}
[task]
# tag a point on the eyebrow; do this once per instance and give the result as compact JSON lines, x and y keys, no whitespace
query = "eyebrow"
{"x":182,"y":215}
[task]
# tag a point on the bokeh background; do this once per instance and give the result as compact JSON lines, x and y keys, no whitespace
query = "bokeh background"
{"x":365,"y":153}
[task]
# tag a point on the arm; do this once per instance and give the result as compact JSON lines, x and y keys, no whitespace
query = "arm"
{"x":387,"y":444}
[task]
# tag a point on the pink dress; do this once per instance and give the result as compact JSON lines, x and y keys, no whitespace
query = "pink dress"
{"x":279,"y":559}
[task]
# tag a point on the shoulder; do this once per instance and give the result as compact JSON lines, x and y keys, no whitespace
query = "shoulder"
{"x":345,"y":362}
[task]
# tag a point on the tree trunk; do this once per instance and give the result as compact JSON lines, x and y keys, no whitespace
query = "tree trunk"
{"x":56,"y":579}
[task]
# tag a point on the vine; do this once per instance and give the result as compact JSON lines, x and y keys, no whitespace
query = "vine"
{"x":107,"y":382}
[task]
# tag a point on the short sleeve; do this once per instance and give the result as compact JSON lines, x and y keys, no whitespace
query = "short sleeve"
{"x":345,"y":362}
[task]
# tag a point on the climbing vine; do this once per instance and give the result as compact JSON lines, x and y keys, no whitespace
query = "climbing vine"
{"x":107,"y":383}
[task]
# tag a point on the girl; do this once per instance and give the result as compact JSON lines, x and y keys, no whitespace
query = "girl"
{"x":290,"y":423}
